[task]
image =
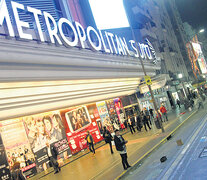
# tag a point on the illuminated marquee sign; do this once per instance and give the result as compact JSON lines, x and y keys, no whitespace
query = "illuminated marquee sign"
{"x":53,"y":32}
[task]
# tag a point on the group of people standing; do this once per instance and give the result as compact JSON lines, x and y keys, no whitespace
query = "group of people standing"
{"x":137,"y":121}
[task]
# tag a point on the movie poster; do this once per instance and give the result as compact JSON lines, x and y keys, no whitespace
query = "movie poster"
{"x":46,"y":128}
{"x":104,"y":115}
{"x":112,"y":113}
{"x":119,"y":110}
{"x":111,"y":109}
{"x":77,"y":122}
{"x":17,"y":146}
{"x":4,"y":166}
{"x":95,"y":117}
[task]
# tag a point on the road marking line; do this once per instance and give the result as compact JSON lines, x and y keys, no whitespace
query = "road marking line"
{"x":178,"y":159}
{"x":152,"y":149}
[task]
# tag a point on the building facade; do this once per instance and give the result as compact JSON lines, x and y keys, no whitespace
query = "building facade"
{"x":59,"y":79}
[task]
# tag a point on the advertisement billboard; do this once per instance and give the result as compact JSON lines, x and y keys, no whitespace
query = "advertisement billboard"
{"x":46,"y":128}
{"x":200,"y":57}
{"x":4,"y":166}
{"x":115,"y":120}
{"x":104,"y":115}
{"x":17,"y":146}
{"x":77,"y":122}
{"x":119,"y":110}
{"x":114,"y":18}
{"x":94,"y":115}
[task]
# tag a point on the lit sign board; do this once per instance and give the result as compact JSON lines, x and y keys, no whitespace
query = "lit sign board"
{"x":53,"y":33}
{"x":200,"y":57}
{"x":114,"y":18}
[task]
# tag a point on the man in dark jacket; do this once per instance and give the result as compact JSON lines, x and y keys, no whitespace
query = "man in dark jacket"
{"x":90,"y":144}
{"x":147,"y":114}
{"x":139,"y":123}
{"x":108,"y":138}
{"x":146,"y":122}
{"x":120,"y":144}
{"x":151,"y":112}
{"x":52,"y":155}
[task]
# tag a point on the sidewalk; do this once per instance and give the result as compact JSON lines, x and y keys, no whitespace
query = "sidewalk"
{"x":183,"y":162}
{"x":107,"y":166}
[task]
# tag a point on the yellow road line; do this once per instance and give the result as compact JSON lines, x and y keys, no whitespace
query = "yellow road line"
{"x":162,"y":141}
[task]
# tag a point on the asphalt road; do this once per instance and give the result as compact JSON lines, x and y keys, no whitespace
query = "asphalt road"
{"x":183,"y":162}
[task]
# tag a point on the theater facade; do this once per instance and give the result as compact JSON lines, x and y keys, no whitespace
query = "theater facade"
{"x":58,"y":80}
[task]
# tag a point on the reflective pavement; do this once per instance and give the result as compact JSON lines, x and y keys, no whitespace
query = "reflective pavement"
{"x":186,"y":162}
{"x":106,"y":166}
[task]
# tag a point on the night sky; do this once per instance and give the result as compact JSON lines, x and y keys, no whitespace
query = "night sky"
{"x":194,"y":12}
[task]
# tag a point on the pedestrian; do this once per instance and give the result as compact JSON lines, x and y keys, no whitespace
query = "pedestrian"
{"x":16,"y":173}
{"x":200,"y":103}
{"x":158,"y":115}
{"x":125,"y":124}
{"x":178,"y":103}
{"x":164,"y":112}
{"x":139,"y":124}
{"x":146,"y":122}
{"x":192,"y":102}
{"x":120,"y":144}
{"x":90,"y":141}
{"x":151,"y":112}
{"x":108,"y":138}
{"x":52,"y":156}
{"x":146,"y":112}
{"x":130,"y":124}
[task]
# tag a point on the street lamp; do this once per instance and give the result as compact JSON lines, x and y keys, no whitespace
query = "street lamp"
{"x":180,"y":76}
{"x":202,"y":30}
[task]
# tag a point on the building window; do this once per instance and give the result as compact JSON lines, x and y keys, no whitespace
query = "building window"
{"x":51,"y":6}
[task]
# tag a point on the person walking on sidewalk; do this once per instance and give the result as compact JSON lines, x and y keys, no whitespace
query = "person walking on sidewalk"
{"x":108,"y":138}
{"x":146,"y":122}
{"x":178,"y":103}
{"x":120,"y":144}
{"x":146,"y":112}
{"x":131,"y":125}
{"x":151,"y":112}
{"x":139,"y":123}
{"x":158,"y":115}
{"x":200,"y":103}
{"x":164,"y":112}
{"x":90,"y":141}
{"x":52,"y":155}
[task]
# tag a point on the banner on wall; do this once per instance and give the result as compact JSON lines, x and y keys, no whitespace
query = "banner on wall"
{"x":77,"y":122}
{"x":4,"y":165}
{"x":119,"y":109}
{"x":113,"y":114}
{"x":111,"y":109}
{"x":17,"y":146}
{"x":104,"y":115}
{"x":95,"y":117}
{"x":42,"y":129}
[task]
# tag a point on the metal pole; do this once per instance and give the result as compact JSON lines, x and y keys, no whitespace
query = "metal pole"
{"x":149,"y":86}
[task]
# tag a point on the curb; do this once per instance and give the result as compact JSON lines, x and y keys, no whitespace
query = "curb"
{"x":141,"y":159}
